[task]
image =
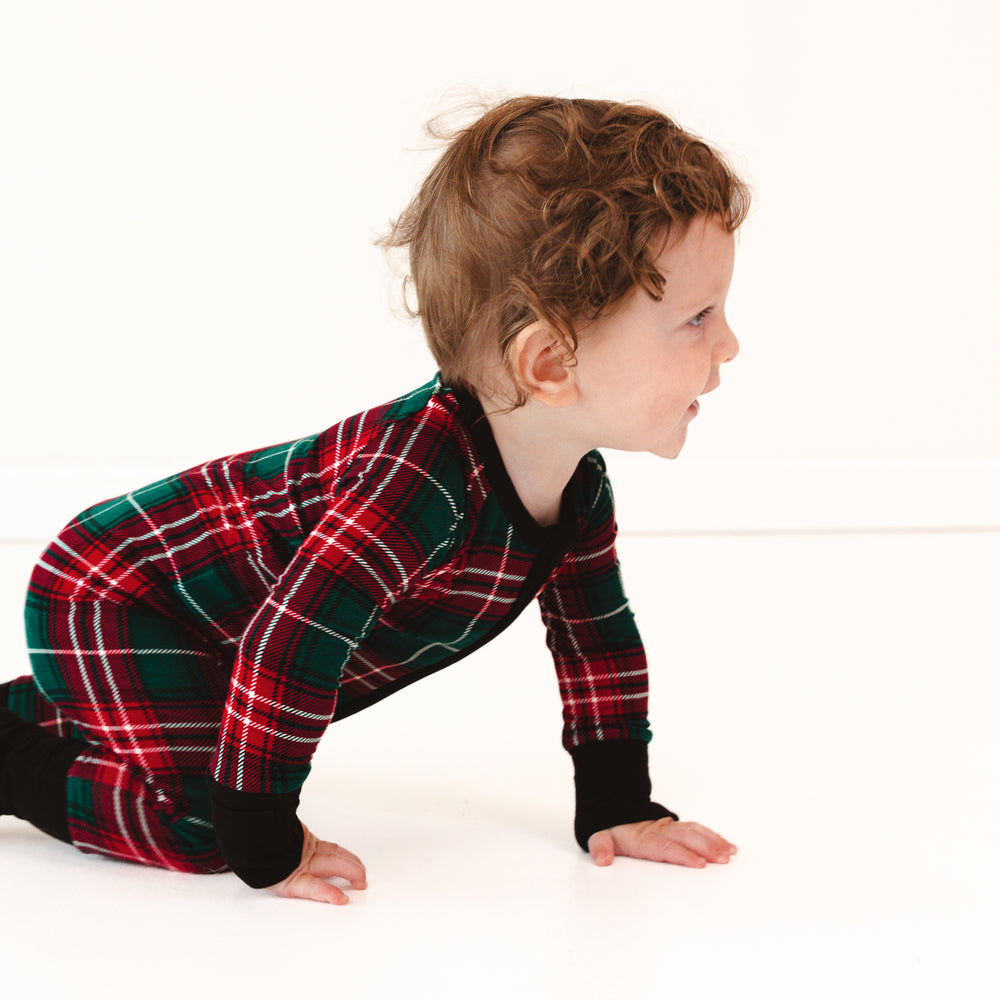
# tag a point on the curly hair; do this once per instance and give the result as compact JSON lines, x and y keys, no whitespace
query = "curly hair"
{"x":550,"y":209}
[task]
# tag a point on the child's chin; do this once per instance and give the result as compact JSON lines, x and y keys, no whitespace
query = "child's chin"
{"x":670,"y":449}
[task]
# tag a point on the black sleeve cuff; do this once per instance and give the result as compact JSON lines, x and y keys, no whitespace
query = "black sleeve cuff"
{"x":258,"y":833}
{"x":612,"y":787}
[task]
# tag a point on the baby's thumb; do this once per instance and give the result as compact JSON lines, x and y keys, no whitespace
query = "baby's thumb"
{"x":602,"y":847}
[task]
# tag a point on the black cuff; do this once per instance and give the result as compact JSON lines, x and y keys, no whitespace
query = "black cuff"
{"x":258,"y":833}
{"x":612,"y":787}
{"x":34,"y":764}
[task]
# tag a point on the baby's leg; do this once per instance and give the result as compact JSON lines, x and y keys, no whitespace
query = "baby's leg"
{"x":146,"y":694}
{"x":24,"y":699}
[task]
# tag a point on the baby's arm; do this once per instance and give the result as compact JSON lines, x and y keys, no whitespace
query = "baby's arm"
{"x":381,"y":529}
{"x":602,"y":673}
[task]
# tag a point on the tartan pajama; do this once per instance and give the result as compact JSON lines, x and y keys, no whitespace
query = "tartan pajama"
{"x":146,"y":695}
{"x":204,"y":631}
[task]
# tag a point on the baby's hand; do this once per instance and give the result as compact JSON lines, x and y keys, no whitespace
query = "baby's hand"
{"x":689,"y":844}
{"x":322,"y":860}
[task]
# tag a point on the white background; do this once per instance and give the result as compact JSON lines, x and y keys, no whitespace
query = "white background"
{"x":188,"y":195}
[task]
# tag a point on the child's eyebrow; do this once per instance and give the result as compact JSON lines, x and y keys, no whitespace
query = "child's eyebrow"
{"x":687,"y":305}
{"x":694,"y":299}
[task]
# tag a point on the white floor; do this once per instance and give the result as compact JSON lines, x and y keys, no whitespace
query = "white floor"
{"x":829,"y":703}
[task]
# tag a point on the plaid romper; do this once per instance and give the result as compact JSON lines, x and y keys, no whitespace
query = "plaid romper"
{"x":201,"y":633}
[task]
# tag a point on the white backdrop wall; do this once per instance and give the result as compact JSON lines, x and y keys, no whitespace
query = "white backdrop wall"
{"x":189,"y":192}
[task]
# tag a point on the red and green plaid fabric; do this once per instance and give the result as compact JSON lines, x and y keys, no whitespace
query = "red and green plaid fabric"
{"x":220,"y":619}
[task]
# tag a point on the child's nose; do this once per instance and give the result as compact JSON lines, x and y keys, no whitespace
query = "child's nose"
{"x":729,"y":346}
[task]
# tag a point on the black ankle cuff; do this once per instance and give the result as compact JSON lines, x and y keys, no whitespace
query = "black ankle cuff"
{"x":34,"y":764}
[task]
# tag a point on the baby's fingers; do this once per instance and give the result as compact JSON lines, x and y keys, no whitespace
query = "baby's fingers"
{"x":331,"y":859}
{"x":720,"y":849}
{"x":695,"y":844}
{"x":327,"y":847}
{"x":322,"y":860}
{"x":602,"y":848}
{"x":306,"y":886}
{"x":675,"y":852}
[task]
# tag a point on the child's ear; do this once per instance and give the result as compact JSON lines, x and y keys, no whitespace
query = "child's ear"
{"x":543,"y":365}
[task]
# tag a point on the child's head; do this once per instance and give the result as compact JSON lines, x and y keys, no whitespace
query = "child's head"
{"x":550,"y":209}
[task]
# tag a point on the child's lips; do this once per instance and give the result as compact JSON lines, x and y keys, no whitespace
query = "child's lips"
{"x":694,"y":408}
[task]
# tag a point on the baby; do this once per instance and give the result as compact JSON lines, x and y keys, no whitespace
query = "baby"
{"x":191,"y":641}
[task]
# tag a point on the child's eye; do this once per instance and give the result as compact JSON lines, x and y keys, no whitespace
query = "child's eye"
{"x":700,"y":318}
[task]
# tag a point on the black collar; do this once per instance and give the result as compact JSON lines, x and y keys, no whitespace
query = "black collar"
{"x":543,"y":536}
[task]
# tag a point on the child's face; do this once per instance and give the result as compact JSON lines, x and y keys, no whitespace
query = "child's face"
{"x":640,"y":369}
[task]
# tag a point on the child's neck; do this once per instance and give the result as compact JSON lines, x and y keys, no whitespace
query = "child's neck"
{"x":539,"y":459}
